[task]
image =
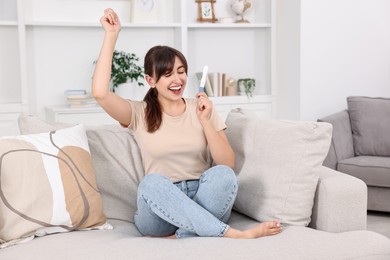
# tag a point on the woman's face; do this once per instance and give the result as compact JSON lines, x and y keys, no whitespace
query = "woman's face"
{"x":172,"y":84}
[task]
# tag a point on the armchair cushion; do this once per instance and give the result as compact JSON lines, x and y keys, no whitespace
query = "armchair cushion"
{"x":370,"y":122}
{"x":373,"y":170}
{"x":275,"y":165}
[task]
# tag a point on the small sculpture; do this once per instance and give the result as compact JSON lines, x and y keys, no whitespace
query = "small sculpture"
{"x":240,"y":7}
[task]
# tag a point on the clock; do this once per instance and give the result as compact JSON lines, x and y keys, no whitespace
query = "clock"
{"x":144,"y":11}
{"x":145,"y":5}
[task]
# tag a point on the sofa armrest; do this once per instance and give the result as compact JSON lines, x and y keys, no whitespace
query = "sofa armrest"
{"x":342,"y":143}
{"x":340,"y":202}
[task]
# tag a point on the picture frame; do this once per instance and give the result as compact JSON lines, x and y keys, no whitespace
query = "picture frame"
{"x":206,"y":11}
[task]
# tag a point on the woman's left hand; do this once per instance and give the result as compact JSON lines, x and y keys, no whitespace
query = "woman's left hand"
{"x":204,"y":107}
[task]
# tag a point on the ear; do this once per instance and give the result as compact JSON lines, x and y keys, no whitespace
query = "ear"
{"x":150,"y":81}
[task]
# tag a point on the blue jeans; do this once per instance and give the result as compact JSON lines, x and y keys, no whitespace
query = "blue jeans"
{"x":187,"y":208}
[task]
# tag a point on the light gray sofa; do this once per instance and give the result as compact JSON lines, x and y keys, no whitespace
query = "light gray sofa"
{"x":361,"y":146}
{"x":336,"y":231}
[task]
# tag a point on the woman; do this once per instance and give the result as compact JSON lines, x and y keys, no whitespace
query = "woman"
{"x":180,"y":196}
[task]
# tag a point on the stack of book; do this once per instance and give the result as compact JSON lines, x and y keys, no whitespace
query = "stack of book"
{"x":218,"y":84}
{"x":78,"y":98}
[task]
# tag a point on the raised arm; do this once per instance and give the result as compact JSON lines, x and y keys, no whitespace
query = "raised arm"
{"x":117,"y":107}
{"x":220,"y":148}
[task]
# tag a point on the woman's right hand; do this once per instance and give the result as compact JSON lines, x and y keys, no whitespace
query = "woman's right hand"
{"x":110,"y":21}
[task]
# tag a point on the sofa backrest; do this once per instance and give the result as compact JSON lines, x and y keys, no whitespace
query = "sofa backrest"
{"x":118,"y":168}
{"x":342,"y":143}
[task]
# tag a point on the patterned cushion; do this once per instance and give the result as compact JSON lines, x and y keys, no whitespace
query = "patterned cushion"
{"x":116,"y":159}
{"x":47,"y":185}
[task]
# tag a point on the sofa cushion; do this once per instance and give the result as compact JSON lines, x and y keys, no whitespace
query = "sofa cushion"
{"x":47,"y":185}
{"x":118,"y":165}
{"x":125,"y":242}
{"x":370,"y":122}
{"x":116,"y":160}
{"x":373,"y":170}
{"x":276,"y":165}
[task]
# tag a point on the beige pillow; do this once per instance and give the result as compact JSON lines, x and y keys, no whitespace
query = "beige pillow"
{"x":116,"y":159}
{"x":275,"y":165}
{"x":47,"y":185}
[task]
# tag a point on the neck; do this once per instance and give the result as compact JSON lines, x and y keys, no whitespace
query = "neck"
{"x":173,"y":108}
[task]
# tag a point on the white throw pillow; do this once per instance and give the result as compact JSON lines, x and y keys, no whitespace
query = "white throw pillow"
{"x":275,"y":165}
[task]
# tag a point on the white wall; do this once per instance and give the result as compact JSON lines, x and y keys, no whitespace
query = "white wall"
{"x":288,"y":59}
{"x":344,"y":51}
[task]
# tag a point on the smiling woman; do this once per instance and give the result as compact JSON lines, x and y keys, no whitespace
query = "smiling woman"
{"x":176,"y":137}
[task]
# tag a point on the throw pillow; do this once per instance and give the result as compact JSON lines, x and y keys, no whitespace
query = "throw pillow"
{"x":116,"y":159}
{"x":47,"y":185}
{"x":370,"y":123}
{"x":276,"y":164}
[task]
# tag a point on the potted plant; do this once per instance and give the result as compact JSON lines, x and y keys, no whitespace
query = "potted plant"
{"x":125,"y":68}
{"x":246,"y":86}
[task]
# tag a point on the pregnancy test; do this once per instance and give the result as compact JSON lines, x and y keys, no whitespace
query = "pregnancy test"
{"x":203,"y":79}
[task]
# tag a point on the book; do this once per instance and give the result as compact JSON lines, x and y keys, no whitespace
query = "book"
{"x":75,"y":92}
{"x":83,"y":105}
{"x":79,"y":96}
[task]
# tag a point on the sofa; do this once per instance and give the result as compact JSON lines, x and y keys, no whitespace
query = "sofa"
{"x":278,"y":164}
{"x":361,"y":146}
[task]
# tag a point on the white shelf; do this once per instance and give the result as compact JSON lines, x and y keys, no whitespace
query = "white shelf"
{"x":241,"y":99}
{"x":8,"y":23}
{"x":228,"y":25}
{"x":42,"y":27}
{"x":98,"y":25}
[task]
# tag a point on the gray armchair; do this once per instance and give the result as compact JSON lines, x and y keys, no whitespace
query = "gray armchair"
{"x":360,"y":146}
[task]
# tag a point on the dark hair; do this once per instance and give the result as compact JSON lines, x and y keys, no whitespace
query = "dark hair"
{"x":159,"y":60}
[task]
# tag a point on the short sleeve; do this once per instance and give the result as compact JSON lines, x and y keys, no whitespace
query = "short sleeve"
{"x":216,"y":120}
{"x":137,"y":113}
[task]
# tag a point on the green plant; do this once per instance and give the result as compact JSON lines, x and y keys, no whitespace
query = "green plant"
{"x":125,"y":67}
{"x":248,"y":84}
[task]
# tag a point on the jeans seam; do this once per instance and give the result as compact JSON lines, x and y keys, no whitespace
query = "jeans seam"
{"x":152,"y":204}
{"x":223,"y":211}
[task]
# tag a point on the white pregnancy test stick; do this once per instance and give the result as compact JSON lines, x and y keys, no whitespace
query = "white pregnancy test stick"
{"x":203,"y":80}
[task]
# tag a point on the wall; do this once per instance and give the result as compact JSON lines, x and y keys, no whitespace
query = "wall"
{"x":288,"y":59}
{"x":344,"y":50}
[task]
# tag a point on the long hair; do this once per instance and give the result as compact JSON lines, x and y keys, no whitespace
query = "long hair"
{"x":159,"y":60}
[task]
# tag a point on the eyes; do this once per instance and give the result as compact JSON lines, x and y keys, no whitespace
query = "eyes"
{"x":180,"y":71}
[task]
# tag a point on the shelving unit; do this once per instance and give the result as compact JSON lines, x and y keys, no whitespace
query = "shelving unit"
{"x":56,"y":47}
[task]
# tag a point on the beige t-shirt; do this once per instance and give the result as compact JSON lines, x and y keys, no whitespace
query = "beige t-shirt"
{"x":178,"y":149}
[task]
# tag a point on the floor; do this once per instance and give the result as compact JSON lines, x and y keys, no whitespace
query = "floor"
{"x":379,"y":222}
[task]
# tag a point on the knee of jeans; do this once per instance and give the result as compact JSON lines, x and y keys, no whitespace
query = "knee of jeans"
{"x":150,"y":182}
{"x":221,"y":173}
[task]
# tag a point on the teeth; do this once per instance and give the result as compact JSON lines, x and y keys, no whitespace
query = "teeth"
{"x":175,"y":88}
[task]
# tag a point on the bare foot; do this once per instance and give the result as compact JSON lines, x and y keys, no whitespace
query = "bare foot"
{"x":261,"y":230}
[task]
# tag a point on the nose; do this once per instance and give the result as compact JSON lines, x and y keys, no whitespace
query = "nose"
{"x":176,"y":78}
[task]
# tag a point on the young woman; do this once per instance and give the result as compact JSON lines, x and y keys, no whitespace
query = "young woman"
{"x":180,"y":195}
